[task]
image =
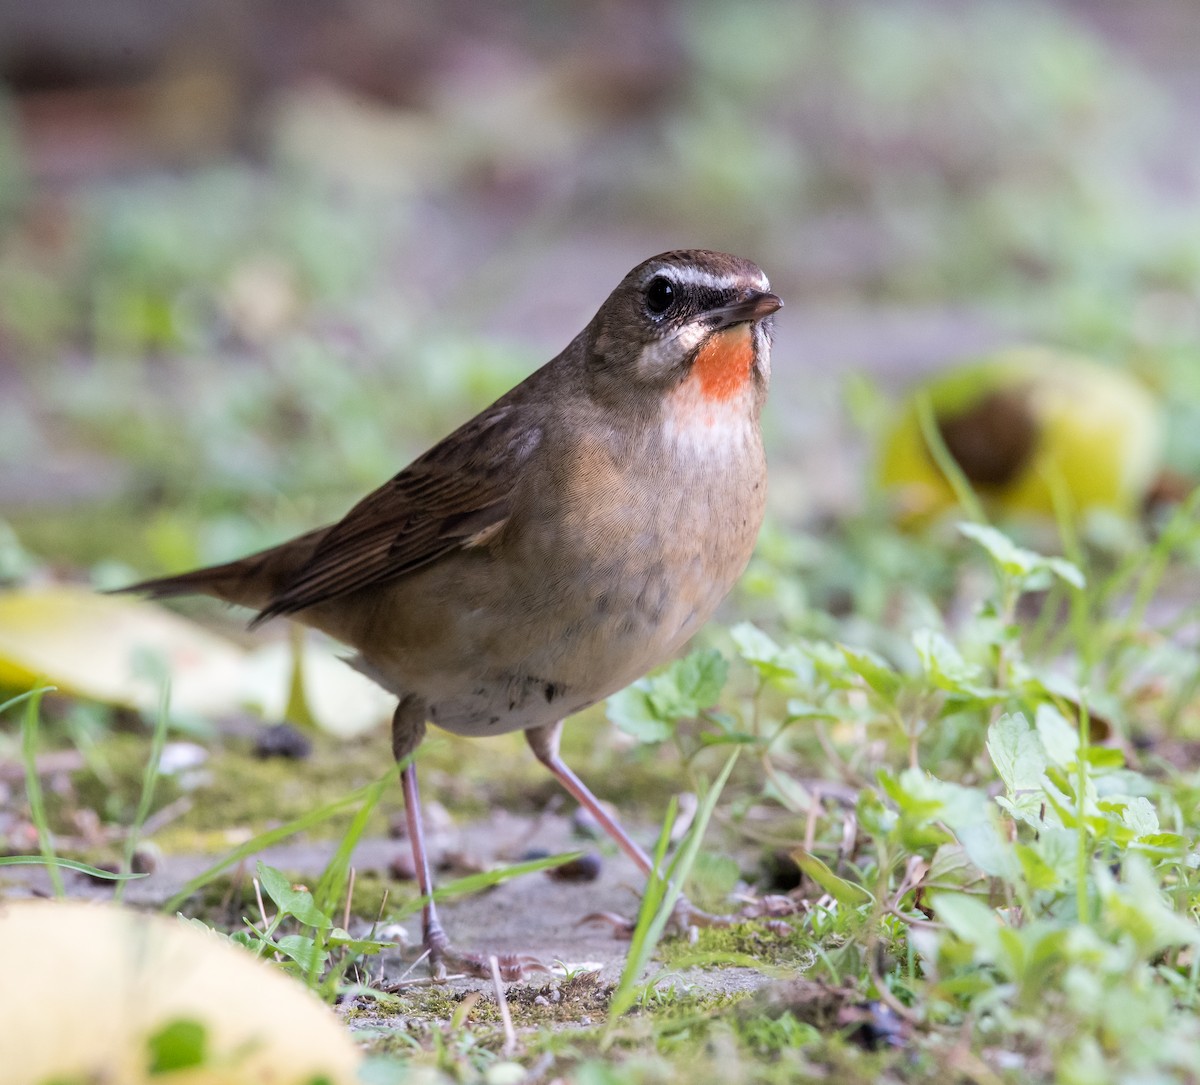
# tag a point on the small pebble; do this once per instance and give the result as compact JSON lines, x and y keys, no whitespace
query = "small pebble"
{"x":146,"y":858}
{"x":584,"y":869}
{"x":393,"y":932}
{"x":541,"y":1000}
{"x":179,"y":756}
{"x":282,"y":740}
{"x":401,"y":867}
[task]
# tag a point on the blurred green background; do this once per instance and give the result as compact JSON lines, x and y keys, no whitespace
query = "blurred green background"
{"x":256,"y":255}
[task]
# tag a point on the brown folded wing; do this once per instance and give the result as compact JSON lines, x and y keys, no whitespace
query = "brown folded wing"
{"x":460,"y":488}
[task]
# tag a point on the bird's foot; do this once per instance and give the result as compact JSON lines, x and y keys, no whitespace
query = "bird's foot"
{"x":686,"y":918}
{"x":445,"y":960}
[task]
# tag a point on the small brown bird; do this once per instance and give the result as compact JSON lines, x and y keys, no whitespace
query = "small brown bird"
{"x":558,"y":545}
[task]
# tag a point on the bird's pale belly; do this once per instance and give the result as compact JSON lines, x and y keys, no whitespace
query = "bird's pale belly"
{"x":558,"y":656}
{"x":579,"y":668}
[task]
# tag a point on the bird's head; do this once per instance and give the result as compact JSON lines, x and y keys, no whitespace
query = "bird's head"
{"x":688,"y":317}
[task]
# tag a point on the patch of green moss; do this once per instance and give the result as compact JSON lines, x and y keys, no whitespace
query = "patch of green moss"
{"x":583,"y":998}
{"x":244,"y":790}
{"x":113,"y":787}
{"x":751,"y":939}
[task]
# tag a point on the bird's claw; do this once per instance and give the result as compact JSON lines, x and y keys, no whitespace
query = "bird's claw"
{"x":511,"y":966}
{"x":444,"y":958}
{"x":686,"y":917}
{"x":622,"y":925}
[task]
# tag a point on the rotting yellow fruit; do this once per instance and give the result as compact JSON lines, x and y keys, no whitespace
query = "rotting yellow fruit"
{"x":99,"y":993}
{"x":1030,"y":428}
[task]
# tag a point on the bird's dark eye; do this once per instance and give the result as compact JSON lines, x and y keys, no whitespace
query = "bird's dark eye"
{"x":660,"y":295}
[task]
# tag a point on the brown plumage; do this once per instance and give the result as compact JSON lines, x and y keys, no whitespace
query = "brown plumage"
{"x":558,"y":545}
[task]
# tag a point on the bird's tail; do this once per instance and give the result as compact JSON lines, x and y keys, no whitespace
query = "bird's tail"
{"x":249,"y":582}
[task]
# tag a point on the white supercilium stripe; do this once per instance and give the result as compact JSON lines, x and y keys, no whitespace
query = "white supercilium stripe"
{"x":698,"y":277}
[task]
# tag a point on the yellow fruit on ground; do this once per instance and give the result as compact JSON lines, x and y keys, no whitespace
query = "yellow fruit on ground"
{"x":1029,"y":428}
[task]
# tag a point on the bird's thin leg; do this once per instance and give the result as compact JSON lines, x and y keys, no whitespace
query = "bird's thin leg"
{"x":432,"y":935}
{"x":544,"y":743}
{"x":408,"y":728}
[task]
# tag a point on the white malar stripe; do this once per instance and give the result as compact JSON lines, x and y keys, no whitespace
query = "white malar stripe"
{"x":662,"y":355}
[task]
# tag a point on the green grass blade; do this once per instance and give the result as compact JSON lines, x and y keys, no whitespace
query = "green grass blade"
{"x":964,"y":492}
{"x":337,"y":871}
{"x":33,"y":783}
{"x":652,"y":921}
{"x":335,"y":878}
{"x":640,"y":943}
{"x":12,"y":702}
{"x":473,"y":883}
{"x":68,"y":864}
{"x":149,"y":783}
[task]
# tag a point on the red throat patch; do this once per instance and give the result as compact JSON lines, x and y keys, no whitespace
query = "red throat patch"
{"x":723,"y":363}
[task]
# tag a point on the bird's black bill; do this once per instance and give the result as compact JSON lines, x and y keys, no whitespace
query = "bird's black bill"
{"x":760,"y":304}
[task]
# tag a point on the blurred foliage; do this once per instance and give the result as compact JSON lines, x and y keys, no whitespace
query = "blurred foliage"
{"x":227,"y":332}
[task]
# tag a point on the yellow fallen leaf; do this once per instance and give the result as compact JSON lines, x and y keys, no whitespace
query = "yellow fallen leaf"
{"x":98,"y":646}
{"x":339,"y":699}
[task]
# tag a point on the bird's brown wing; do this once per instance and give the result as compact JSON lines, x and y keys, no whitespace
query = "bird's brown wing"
{"x":457,"y":491}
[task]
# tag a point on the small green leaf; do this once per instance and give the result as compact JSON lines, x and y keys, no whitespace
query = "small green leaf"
{"x":970,"y":920}
{"x":988,"y":849}
{"x":1059,"y":738}
{"x":689,"y":685}
{"x":842,"y":891}
{"x":304,"y":951}
{"x":1013,"y":559}
{"x":290,"y":899}
{"x":632,"y":711}
{"x":944,"y":665}
{"x":872,"y":669}
{"x":651,"y":707}
{"x":1104,"y":758}
{"x":762,"y":653}
{"x":1135,"y":907}
{"x":1039,"y":875}
{"x":178,"y":1045}
{"x":1066,"y":571}
{"x":1017,"y":752}
{"x":1028,"y":567}
{"x":1140,"y":816}
{"x":1163,"y":843}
